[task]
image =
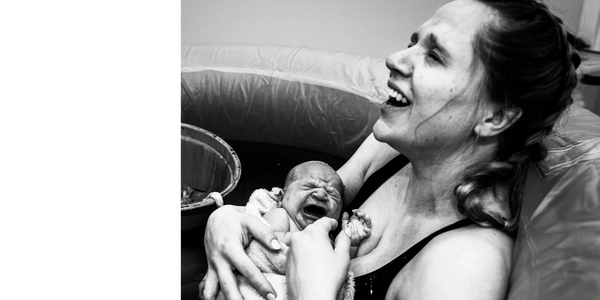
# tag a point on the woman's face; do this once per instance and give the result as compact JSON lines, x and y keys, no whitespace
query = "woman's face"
{"x":433,"y":101}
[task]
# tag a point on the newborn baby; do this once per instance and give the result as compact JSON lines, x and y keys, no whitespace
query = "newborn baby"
{"x":312,"y":190}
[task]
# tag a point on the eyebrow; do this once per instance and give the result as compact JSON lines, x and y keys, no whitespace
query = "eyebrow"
{"x":431,"y":41}
{"x":414,"y":37}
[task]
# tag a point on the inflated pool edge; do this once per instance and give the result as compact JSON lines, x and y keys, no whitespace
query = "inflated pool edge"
{"x":298,"y":97}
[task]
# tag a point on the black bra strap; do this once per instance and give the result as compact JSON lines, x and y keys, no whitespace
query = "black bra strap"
{"x":375,"y":284}
{"x":412,"y":251}
{"x":376,"y":180}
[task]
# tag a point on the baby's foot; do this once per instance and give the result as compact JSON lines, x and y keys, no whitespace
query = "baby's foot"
{"x":357,"y":227}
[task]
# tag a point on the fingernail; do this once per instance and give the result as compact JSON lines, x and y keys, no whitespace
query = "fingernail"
{"x":348,"y":231}
{"x":270,"y":296}
{"x":275,"y":245}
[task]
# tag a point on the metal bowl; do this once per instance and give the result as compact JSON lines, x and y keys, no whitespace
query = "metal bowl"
{"x":208,"y":164}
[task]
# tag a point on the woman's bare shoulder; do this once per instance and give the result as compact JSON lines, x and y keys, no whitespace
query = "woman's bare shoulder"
{"x":470,"y":244}
{"x":466,"y":263}
{"x":369,"y":157}
{"x":473,"y":236}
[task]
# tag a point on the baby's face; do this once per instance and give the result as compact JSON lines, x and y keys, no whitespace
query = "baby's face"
{"x":313,"y":195}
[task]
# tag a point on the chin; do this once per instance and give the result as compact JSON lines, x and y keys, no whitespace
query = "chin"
{"x":381,"y":131}
{"x":394,"y":137}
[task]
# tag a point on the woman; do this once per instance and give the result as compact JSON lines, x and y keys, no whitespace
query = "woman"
{"x":480,"y":85}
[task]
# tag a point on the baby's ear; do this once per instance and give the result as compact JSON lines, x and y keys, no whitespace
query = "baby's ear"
{"x":495,"y":122}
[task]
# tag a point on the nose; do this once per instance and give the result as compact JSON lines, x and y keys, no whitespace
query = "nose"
{"x":319,"y":195}
{"x":400,"y":63}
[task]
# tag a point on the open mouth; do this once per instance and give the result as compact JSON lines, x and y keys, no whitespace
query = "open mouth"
{"x":397,"y":100}
{"x":314,"y":211}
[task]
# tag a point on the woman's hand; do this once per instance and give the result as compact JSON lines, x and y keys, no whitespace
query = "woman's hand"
{"x":228,"y":232}
{"x":315,"y":269}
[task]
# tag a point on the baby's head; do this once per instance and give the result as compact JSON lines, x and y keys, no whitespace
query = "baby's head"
{"x":312,"y":190}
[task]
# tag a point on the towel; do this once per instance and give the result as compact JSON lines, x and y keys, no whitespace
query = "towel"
{"x":272,"y":263}
{"x":261,"y":201}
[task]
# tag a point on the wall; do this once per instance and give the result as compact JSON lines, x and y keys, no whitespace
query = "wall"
{"x":589,"y":30}
{"x":375,"y":28}
{"x":569,"y":11}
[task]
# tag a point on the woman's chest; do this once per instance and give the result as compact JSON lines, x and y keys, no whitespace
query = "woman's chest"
{"x":390,"y":227}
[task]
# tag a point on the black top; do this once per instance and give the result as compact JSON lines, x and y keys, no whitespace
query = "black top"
{"x":376,"y":180}
{"x":375,"y":284}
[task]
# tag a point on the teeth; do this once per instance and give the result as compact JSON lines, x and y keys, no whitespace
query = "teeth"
{"x":398,"y":97}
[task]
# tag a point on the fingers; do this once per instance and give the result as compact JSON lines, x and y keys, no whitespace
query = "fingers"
{"x":209,"y":286}
{"x":358,"y":227}
{"x":315,"y":269}
{"x":367,"y":220}
{"x":250,"y":271}
{"x":349,"y":229}
{"x":345,"y":219}
{"x":358,"y":214}
{"x":325,"y":223}
{"x":364,"y":218}
{"x":228,"y":284}
{"x":367,"y":232}
{"x":342,"y":245}
{"x":262,"y":233}
{"x":228,"y":231}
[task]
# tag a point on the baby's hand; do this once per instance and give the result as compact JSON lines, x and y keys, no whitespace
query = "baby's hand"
{"x":357,"y":227}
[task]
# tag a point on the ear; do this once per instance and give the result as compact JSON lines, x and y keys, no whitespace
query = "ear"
{"x":494,"y":122}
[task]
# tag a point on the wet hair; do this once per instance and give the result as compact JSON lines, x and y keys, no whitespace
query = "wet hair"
{"x":529,"y":66}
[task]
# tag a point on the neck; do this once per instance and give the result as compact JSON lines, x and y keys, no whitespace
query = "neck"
{"x":434,"y":176}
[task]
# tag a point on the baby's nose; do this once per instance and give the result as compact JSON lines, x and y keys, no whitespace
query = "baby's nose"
{"x":319,"y":195}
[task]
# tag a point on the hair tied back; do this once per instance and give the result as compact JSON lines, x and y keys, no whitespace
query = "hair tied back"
{"x":575,"y":59}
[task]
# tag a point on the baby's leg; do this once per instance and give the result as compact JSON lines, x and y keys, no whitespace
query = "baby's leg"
{"x":357,"y":227}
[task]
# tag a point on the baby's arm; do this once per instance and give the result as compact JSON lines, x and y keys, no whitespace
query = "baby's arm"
{"x":357,"y":227}
{"x":279,"y":222}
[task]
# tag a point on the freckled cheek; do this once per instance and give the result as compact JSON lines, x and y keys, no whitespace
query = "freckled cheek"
{"x":434,"y":82}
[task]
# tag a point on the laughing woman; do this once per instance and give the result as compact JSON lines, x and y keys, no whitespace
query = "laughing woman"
{"x":478,"y":88}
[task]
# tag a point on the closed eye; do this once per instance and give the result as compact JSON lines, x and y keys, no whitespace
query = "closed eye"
{"x":435,"y":56}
